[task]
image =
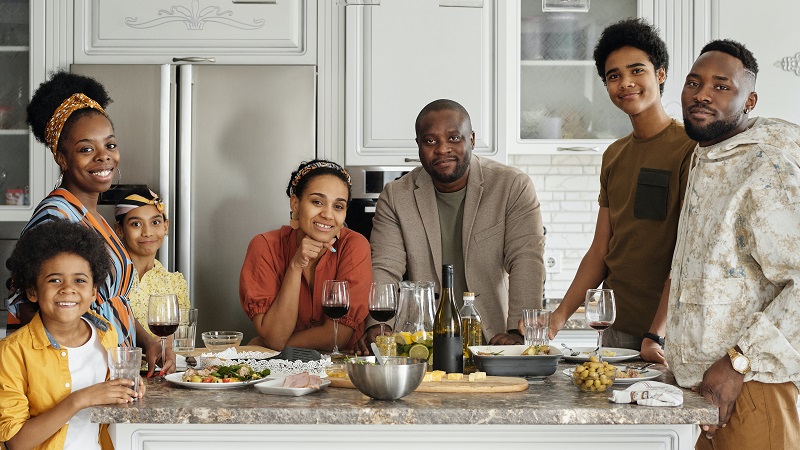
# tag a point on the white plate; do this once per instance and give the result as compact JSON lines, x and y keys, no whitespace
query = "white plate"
{"x":646,"y":374}
{"x":275,"y":386}
{"x":622,"y":354}
{"x":177,"y":378}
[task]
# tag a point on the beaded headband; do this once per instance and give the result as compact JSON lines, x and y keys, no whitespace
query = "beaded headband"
{"x":317,"y":165}
{"x":134,"y":201}
{"x":56,"y":123}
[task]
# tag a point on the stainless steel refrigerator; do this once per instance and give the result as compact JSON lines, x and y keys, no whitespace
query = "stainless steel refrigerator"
{"x":218,"y":143}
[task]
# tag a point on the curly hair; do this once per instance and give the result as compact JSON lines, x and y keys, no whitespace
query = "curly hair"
{"x":735,"y":49}
{"x":49,"y":239}
{"x":50,"y":94}
{"x":297,"y":185}
{"x":635,"y":33}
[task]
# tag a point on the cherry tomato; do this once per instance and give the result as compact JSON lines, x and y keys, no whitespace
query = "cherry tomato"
{"x":208,"y":380}
{"x":228,"y":380}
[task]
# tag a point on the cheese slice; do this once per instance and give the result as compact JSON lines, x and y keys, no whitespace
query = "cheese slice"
{"x":475,"y":376}
{"x":455,"y":376}
{"x":427,"y":377}
{"x":436,"y":375}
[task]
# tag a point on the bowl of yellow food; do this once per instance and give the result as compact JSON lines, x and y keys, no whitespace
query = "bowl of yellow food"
{"x":594,"y":375}
{"x":516,"y":360}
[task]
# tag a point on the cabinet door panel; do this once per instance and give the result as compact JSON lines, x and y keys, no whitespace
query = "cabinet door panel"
{"x":404,"y":54}
{"x":771,"y":32}
{"x":153,"y":31}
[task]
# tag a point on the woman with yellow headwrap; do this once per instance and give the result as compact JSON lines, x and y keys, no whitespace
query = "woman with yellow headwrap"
{"x":141,"y":225}
{"x":67,"y":114}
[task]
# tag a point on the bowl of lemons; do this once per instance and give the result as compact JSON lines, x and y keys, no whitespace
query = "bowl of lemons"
{"x":418,"y":345}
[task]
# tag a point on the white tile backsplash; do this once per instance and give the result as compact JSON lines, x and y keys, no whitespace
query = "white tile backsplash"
{"x":567,"y":187}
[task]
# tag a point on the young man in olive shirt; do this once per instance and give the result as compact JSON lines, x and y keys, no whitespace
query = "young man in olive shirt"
{"x":643,"y":178}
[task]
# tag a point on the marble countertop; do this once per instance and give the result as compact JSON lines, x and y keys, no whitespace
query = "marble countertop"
{"x":554,"y":401}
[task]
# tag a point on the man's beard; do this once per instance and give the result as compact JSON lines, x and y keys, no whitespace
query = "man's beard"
{"x":458,"y":172}
{"x":712,"y":131}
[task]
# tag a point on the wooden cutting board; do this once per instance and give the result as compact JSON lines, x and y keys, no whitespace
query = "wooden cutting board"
{"x":490,"y":384}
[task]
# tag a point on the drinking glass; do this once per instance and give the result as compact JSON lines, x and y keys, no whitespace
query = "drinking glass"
{"x":601,"y":311}
{"x":382,"y":308}
{"x":335,"y":304}
{"x":163,"y":318}
{"x":125,"y":362}
{"x":184,"y":337}
{"x":537,"y":325}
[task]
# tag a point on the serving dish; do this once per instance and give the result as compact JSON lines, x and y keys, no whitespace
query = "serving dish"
{"x":177,"y":378}
{"x":620,"y":354}
{"x":508,"y":360}
{"x":646,"y":374}
{"x":275,"y":386}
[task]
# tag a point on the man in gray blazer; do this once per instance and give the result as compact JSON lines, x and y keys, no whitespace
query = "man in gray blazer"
{"x":479,"y":215}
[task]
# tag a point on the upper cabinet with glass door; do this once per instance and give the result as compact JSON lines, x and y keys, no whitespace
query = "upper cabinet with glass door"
{"x":15,"y":148}
{"x":555,"y":101}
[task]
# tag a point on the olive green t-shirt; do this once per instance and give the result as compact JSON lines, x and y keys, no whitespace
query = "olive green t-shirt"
{"x":642,"y":182}
{"x":451,"y":217}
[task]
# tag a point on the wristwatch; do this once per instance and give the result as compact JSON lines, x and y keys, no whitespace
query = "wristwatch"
{"x":739,"y":362}
{"x":655,"y":337}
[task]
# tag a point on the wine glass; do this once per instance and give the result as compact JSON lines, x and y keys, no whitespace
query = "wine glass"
{"x":335,"y":304}
{"x":383,"y":302}
{"x":601,"y":311}
{"x":163,"y":318}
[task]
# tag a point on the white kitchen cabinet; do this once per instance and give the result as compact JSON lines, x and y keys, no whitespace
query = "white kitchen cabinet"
{"x":770,"y":30}
{"x":227,"y":31}
{"x":403,"y":54}
{"x":551,"y":97}
{"x":23,"y":162}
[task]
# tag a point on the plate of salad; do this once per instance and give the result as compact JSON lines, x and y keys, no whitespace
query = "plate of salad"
{"x":218,"y":377}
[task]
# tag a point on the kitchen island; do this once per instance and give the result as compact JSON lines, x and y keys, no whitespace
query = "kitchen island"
{"x":551,"y":414}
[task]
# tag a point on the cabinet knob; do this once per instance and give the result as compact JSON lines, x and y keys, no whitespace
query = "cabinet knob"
{"x":412,"y":160}
{"x":195,"y":59}
{"x":578,"y":149}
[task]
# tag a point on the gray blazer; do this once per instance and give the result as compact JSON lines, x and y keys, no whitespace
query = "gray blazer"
{"x":503,"y":239}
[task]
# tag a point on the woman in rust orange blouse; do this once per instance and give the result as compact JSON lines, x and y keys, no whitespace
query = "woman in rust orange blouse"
{"x":280,"y":286}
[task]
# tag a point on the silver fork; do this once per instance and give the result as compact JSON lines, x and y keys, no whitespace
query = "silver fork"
{"x":571,"y":351}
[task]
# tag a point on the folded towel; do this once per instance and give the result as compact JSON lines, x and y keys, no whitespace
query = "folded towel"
{"x":649,"y":393}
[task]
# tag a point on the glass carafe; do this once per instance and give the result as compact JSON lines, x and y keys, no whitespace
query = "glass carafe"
{"x":414,"y":325}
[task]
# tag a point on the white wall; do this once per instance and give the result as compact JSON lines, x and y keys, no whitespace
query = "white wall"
{"x":567,"y":187}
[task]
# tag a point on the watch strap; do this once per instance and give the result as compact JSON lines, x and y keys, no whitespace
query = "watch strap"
{"x":654,"y":337}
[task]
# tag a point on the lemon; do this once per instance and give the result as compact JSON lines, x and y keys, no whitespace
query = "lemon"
{"x":403,"y":338}
{"x":418,"y":351}
{"x":420,"y":336}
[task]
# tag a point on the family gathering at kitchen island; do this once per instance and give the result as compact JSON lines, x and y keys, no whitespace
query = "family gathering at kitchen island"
{"x":696,"y":234}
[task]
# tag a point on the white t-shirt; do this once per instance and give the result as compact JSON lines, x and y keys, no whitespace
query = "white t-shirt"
{"x":88,"y":365}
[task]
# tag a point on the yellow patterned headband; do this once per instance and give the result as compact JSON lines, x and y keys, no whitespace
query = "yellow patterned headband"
{"x":317,"y":165}
{"x":75,"y":102}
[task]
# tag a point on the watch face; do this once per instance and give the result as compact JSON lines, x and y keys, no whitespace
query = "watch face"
{"x":739,"y":364}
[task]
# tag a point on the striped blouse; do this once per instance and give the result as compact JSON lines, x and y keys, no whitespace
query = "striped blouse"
{"x":112,"y":295}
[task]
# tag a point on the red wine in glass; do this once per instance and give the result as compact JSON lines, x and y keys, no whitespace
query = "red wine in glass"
{"x":163,"y":329}
{"x":601,"y":311}
{"x":335,"y":312}
{"x":601,"y":325}
{"x":382,"y":314}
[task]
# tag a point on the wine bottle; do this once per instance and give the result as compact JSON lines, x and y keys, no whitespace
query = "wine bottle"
{"x":471,"y":330}
{"x":447,"y":344}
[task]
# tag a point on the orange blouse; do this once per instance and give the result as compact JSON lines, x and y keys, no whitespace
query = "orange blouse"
{"x":268,"y":257}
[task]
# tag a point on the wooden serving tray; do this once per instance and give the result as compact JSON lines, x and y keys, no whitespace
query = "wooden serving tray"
{"x":490,"y":384}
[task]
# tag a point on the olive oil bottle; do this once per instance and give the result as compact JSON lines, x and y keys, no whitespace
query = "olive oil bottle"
{"x":447,"y":344}
{"x":471,"y":330}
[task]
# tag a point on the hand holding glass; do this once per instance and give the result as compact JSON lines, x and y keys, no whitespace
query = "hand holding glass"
{"x":163,"y":317}
{"x":335,"y":304}
{"x":125,"y":362}
{"x":601,"y":311}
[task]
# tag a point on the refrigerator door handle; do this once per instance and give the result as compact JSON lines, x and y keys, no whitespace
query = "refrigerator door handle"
{"x":184,"y":184}
{"x":195,"y":59}
{"x":165,"y":158}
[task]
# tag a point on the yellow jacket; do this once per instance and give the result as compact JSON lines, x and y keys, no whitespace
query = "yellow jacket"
{"x":34,"y":377}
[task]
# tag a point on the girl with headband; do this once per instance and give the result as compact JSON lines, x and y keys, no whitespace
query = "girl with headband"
{"x":141,"y":224}
{"x":280,"y":286}
{"x":67,"y":114}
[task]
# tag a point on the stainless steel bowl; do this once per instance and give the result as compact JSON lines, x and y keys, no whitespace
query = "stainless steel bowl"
{"x":395,"y":379}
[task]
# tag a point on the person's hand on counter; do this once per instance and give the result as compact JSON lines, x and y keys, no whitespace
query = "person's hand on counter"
{"x":506,"y":339}
{"x":652,"y":352}
{"x":721,"y":386}
{"x":363,"y":344}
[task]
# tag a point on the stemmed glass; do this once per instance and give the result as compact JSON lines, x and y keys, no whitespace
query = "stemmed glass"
{"x":335,"y":304}
{"x":383,"y":302}
{"x":601,"y":311}
{"x":163,"y":318}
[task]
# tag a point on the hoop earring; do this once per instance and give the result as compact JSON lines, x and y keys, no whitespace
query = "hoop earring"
{"x":59,"y":180}
{"x":294,"y":220}
{"x":119,"y":178}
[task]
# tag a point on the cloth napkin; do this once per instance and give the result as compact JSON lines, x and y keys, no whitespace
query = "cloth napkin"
{"x":649,"y":393}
